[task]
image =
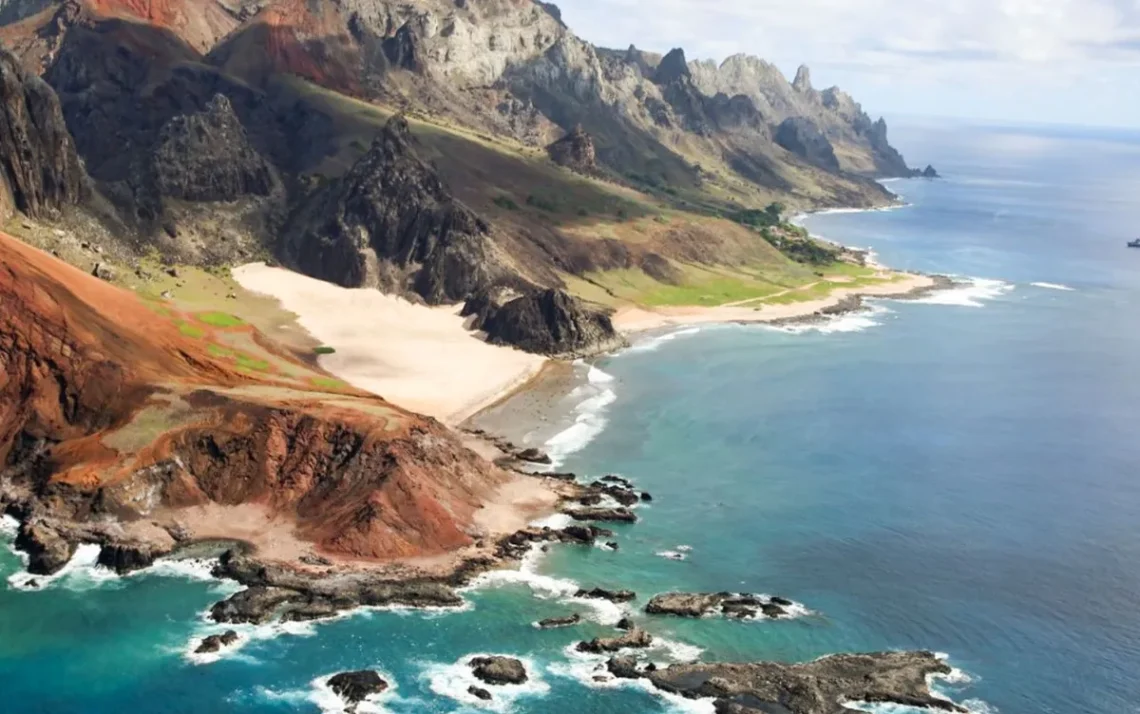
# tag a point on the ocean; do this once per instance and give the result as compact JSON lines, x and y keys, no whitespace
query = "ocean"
{"x":960,"y":474}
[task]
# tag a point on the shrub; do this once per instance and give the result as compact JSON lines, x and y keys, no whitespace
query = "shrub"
{"x":324,"y":350}
{"x":506,"y":202}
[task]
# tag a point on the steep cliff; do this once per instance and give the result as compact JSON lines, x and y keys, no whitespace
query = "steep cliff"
{"x":550,"y":322}
{"x":391,"y":223}
{"x":40,"y":171}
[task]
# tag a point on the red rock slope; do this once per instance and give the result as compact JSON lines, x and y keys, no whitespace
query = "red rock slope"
{"x":115,"y":413}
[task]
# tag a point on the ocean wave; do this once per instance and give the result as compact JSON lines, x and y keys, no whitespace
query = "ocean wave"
{"x":1053,"y":286}
{"x":590,"y":670}
{"x":547,"y":587}
{"x":589,"y":418}
{"x":671,"y":555}
{"x":82,"y":572}
{"x":651,"y":344}
{"x":453,"y":680}
{"x":850,"y":322}
{"x":320,"y":694}
{"x":975,"y":293}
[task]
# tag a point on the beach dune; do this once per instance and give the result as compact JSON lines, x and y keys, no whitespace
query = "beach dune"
{"x":421,"y":358}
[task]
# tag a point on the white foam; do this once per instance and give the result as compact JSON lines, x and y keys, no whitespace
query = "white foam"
{"x":453,"y":680}
{"x":589,"y":421}
{"x":1052,"y":286}
{"x":320,"y":694}
{"x":671,"y":555}
{"x":685,"y":548}
{"x":9,"y":526}
{"x":82,"y":572}
{"x":590,"y":670}
{"x":650,"y":344}
{"x":547,"y":587}
{"x":597,"y":376}
{"x":555,"y":521}
{"x":972,"y":294}
{"x":849,"y":322}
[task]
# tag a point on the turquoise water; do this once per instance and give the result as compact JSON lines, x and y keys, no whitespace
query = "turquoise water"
{"x":959,"y":475}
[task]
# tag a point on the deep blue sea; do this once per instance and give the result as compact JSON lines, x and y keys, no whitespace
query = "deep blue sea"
{"x":960,"y":474}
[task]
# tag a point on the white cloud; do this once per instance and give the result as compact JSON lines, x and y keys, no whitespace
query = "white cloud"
{"x":916,"y":43}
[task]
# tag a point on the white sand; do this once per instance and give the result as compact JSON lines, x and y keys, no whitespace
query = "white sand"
{"x":636,"y":319}
{"x":418,"y":357}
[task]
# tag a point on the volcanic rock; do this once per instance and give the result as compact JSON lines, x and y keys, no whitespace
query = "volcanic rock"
{"x":479,"y":693}
{"x":551,"y":623}
{"x":550,"y":322}
{"x":617,"y":515}
{"x":603,"y":594}
{"x":498,"y":670}
{"x":47,"y":550}
{"x":355,"y":687}
{"x":634,"y":639}
{"x":575,"y":151}
{"x":214,"y":643}
{"x":803,"y":138}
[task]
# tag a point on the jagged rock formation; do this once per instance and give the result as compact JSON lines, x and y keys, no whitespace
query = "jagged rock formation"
{"x":390,"y":222}
{"x":206,"y":156}
{"x":355,"y":687}
{"x":802,"y":137}
{"x":575,"y":151}
{"x":40,"y":171}
{"x":550,"y":322}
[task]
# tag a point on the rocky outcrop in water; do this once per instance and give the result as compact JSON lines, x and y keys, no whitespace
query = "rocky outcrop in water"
{"x":355,"y":687}
{"x":47,"y":550}
{"x":39,"y":167}
{"x":215,"y":643}
{"x":823,"y":686}
{"x":498,"y":670}
{"x":635,"y":638}
{"x":732,"y":605}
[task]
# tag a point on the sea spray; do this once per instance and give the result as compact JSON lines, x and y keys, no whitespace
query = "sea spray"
{"x":589,"y":416}
{"x":973,"y":293}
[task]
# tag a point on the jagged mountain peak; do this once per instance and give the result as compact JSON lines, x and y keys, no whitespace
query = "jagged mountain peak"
{"x":673,"y":66}
{"x":802,"y":82}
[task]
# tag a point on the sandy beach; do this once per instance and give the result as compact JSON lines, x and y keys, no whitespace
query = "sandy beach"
{"x":418,"y":357}
{"x":637,"y":319}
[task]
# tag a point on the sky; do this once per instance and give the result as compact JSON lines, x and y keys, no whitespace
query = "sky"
{"x":1016,"y":61}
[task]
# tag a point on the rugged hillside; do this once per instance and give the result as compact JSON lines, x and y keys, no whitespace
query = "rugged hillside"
{"x":216,"y":133}
{"x":123,"y":422}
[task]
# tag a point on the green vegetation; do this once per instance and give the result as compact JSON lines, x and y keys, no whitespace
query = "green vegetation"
{"x":220,"y":319}
{"x":219,"y":351}
{"x":506,"y":202}
{"x":191,"y":330}
{"x":542,"y":203}
{"x":327,"y":383}
{"x":324,"y":350}
{"x":245,"y":361}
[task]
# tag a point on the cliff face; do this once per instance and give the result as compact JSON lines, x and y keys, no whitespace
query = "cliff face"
{"x":40,"y":168}
{"x":111,"y":418}
{"x":550,"y":322}
{"x":390,"y":222}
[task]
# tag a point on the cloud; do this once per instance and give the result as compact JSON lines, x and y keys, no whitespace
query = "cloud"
{"x":891,"y":36}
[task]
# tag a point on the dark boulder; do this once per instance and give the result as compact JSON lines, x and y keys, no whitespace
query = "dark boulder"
{"x":616,"y":515}
{"x":127,"y":557}
{"x":550,"y":322}
{"x":603,"y":594}
{"x":498,"y":670}
{"x":355,"y":687}
{"x":257,"y":604}
{"x":623,"y":667}
{"x":39,"y":164}
{"x":215,"y":643}
{"x":551,"y":623}
{"x":534,"y":456}
{"x":47,"y":550}
{"x":634,"y":639}
{"x":479,"y":693}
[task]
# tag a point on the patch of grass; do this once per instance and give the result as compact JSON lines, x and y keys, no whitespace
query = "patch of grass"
{"x":220,"y":319}
{"x":245,"y":361}
{"x":324,"y":350}
{"x":191,"y":330}
{"x":327,"y":383}
{"x":542,"y":203}
{"x":219,"y":351}
{"x":506,"y":202}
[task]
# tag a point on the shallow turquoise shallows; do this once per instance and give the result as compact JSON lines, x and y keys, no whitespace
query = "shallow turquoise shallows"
{"x":960,"y":474}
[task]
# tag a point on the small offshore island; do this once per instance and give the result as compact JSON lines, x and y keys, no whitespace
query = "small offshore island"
{"x":196,"y":320}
